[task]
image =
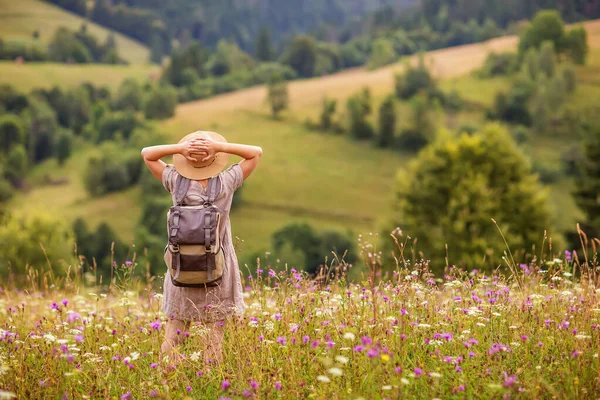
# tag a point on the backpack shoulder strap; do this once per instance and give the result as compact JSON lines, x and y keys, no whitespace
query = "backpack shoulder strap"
{"x":182,"y":185}
{"x":214,"y":188}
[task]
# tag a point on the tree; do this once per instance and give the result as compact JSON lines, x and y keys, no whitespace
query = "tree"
{"x":546,"y":60}
{"x":570,"y":78}
{"x":277,"y":94}
{"x":422,"y":127}
{"x":11,"y":132}
{"x":453,"y":189}
{"x":382,"y":53}
{"x":587,"y":193}
{"x":387,"y":122}
{"x":160,"y":102}
{"x":577,"y":46}
{"x":359,"y":108}
{"x":414,"y":80}
{"x":264,"y":50}
{"x":65,"y":47}
{"x":41,"y":126}
{"x":326,"y":121}
{"x":64,"y":146}
{"x":129,"y":96}
{"x":547,"y":25}
{"x":302,"y":55}
{"x":101,"y":12}
{"x":16,"y":165}
{"x":21,"y":237}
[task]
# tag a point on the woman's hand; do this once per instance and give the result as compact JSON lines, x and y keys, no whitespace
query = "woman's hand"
{"x":188,"y":148}
{"x":207,"y":147}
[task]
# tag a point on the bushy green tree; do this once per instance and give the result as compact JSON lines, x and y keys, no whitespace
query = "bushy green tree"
{"x":302,"y":55}
{"x":111,"y":124}
{"x":382,"y":54}
{"x":111,"y":170}
{"x":327,"y":113}
{"x":547,"y":59}
{"x":277,"y":94}
{"x":160,"y":102}
{"x":359,"y":108}
{"x":22,"y":238}
{"x":422,"y":129}
{"x":16,"y":165}
{"x":547,"y":25}
{"x":577,"y":46}
{"x":570,"y":78}
{"x":387,"y":122}
{"x":129,"y":96}
{"x":64,"y":146}
{"x":499,"y":64}
{"x":414,"y":80}
{"x":65,"y":47}
{"x":40,"y":127}
{"x":451,"y":191}
{"x":11,"y":132}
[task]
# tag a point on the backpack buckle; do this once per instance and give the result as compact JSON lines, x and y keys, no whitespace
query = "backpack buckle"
{"x":175,"y":248}
{"x":208,"y":249}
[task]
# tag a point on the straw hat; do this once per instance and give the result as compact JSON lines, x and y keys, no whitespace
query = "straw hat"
{"x":201,"y":170}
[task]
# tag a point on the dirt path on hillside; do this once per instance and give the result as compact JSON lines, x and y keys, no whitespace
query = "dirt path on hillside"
{"x":445,"y":63}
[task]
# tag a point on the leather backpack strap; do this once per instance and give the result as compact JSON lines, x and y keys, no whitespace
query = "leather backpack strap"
{"x":213,"y":189}
{"x":182,"y":184}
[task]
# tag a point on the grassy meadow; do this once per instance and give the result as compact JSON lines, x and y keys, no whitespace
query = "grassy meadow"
{"x":20,"y":18}
{"x":531,"y":335}
{"x":324,"y":179}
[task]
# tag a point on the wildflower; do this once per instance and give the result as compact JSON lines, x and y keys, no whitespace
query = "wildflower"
{"x":366,"y":340}
{"x":330,"y":344}
{"x":281,"y":340}
{"x":359,"y":348}
{"x":323,"y":378}
{"x":199,"y":373}
{"x":272,"y":273}
{"x":153,"y":365}
{"x":568,"y":256}
{"x":225,"y":385}
{"x":461,"y":388}
{"x":126,"y":396}
{"x":247,"y":393}
{"x":314,"y":344}
{"x":254,"y":384}
{"x":65,"y":302}
{"x":398,"y":370}
{"x":349,"y":336}
{"x":261,"y":338}
{"x":128,"y":263}
{"x":509,"y":380}
{"x":341,"y":359}
{"x":373,"y":352}
{"x":73,"y":316}
{"x":277,"y":385}
{"x":418,"y":371}
{"x":471,"y":354}
{"x":524,"y":337}
{"x":575,"y":354}
{"x":54,"y":306}
{"x":156,"y":325}
{"x":335,"y":371}
{"x":79,"y":338}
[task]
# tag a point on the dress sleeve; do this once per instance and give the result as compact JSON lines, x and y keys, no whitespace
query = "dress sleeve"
{"x":233,"y":177}
{"x":168,"y":177}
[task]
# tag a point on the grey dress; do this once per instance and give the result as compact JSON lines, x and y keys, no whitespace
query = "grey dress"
{"x":212,"y":303}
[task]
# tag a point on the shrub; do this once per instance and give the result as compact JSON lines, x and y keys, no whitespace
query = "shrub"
{"x":387,"y":122}
{"x":414,"y":80}
{"x":499,"y":64}
{"x":160,"y":102}
{"x":11,"y":132}
{"x":277,"y":94}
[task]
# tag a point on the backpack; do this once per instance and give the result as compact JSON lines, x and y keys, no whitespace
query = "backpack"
{"x":194,"y":253}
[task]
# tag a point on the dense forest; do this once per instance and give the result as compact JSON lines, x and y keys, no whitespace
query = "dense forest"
{"x":158,"y":23}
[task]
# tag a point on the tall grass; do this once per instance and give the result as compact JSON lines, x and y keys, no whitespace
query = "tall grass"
{"x":396,"y":332}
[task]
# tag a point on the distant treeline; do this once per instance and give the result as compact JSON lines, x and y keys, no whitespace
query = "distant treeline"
{"x":66,"y":46}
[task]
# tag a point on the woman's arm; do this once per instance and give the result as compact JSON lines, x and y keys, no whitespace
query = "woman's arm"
{"x":250,"y":154}
{"x":152,"y":155}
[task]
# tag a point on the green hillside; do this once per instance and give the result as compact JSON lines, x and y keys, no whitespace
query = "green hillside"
{"x":19,"y":19}
{"x":46,"y":75}
{"x":327,"y":180}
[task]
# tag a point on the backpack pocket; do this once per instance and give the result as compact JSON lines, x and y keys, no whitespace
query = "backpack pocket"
{"x":195,"y":268}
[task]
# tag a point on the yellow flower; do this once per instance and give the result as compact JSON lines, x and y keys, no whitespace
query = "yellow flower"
{"x":385,"y":357}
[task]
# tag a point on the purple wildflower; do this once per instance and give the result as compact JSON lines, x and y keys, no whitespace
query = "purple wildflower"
{"x":277,"y":385}
{"x":65,"y":302}
{"x":126,"y":396}
{"x":225,"y":385}
{"x":156,"y":325}
{"x":509,"y":380}
{"x":373,"y":352}
{"x":79,"y":338}
{"x":418,"y":371}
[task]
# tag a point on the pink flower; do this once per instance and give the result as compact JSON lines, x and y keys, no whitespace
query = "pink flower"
{"x":254,"y":384}
{"x":418,"y":371}
{"x":79,"y":338}
{"x":126,"y":396}
{"x":277,"y":385}
{"x":225,"y":384}
{"x":65,"y":302}
{"x":153,"y":365}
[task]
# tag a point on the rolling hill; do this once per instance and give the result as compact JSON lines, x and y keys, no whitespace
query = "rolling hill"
{"x":20,"y":18}
{"x":327,"y":180}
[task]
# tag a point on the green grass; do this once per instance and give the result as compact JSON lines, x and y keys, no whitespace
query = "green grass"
{"x":20,"y":18}
{"x":46,"y":75}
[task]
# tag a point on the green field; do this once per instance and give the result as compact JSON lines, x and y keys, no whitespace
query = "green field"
{"x":327,"y":180}
{"x":46,"y":75}
{"x":20,"y":18}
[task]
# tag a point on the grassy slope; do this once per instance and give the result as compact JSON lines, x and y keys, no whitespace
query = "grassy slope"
{"x":326,"y":180}
{"x":19,"y":18}
{"x":46,"y":75}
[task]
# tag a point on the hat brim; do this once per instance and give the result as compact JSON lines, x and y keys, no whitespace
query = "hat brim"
{"x":201,"y":170}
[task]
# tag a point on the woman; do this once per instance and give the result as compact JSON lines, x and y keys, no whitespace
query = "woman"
{"x":200,"y":156}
